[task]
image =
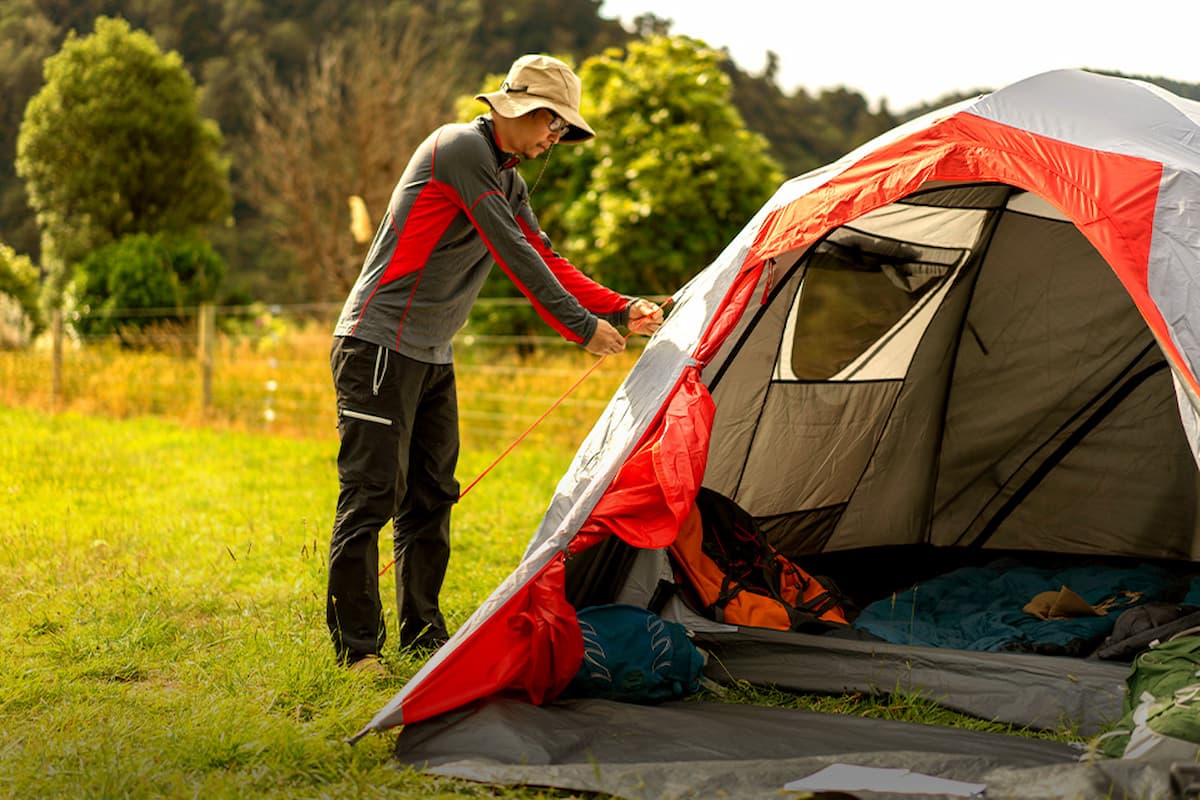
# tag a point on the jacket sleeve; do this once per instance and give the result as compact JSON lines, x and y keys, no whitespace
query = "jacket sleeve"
{"x":465,"y":166}
{"x":602,"y":301}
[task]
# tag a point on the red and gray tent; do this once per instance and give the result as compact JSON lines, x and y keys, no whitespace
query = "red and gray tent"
{"x":976,"y":332}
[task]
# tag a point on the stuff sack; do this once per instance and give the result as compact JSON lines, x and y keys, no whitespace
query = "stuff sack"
{"x":1144,"y":625}
{"x":739,"y":578}
{"x":633,"y":655}
{"x":1162,"y":705}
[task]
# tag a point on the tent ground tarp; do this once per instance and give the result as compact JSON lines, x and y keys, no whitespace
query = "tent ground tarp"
{"x":705,"y":749}
{"x":1031,"y":690}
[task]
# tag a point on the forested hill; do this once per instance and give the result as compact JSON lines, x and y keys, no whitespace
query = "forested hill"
{"x":229,"y":45}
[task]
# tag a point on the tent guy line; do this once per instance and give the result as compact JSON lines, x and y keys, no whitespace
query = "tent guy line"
{"x":579,"y":382}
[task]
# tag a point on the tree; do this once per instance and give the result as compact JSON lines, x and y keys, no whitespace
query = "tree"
{"x":27,"y":38}
{"x":805,"y":132}
{"x":160,"y":272}
{"x":346,"y":129}
{"x":114,"y":144}
{"x":672,"y":175}
{"x":507,"y":29}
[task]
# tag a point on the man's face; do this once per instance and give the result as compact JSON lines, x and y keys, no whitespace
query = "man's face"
{"x":534,"y":135}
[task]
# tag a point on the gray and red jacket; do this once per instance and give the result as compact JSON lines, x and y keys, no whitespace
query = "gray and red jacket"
{"x":460,"y":206}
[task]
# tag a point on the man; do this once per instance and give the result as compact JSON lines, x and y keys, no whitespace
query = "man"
{"x":459,"y":207}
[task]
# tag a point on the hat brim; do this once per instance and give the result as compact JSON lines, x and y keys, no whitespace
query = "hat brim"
{"x":513,"y":104}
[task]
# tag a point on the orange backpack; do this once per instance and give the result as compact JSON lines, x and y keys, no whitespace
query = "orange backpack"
{"x":739,"y":578}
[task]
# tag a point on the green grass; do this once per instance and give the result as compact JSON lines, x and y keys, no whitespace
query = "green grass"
{"x":165,"y":634}
{"x":165,"y":630}
{"x":899,"y":705}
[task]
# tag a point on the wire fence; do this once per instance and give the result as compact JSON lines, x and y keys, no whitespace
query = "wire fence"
{"x":266,"y":368}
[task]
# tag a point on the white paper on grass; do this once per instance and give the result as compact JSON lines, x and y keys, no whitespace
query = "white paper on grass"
{"x":848,"y":777}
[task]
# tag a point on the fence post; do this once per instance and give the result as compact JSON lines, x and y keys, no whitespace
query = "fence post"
{"x":206,"y":321}
{"x":56,"y":348}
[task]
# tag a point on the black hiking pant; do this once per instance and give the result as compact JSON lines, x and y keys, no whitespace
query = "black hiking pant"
{"x":398,"y":425}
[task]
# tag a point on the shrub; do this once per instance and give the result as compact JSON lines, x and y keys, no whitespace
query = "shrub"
{"x":143,"y":279}
{"x":20,"y":318}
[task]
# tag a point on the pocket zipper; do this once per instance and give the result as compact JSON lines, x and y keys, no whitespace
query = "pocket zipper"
{"x":365,"y":417}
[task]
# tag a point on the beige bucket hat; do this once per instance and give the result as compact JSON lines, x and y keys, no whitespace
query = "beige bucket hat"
{"x":536,"y":82}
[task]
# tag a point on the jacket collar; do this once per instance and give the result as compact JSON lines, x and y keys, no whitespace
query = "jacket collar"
{"x":504,"y":160}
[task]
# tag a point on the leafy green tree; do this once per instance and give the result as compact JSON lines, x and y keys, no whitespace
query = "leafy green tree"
{"x":114,"y":144}
{"x":115,"y":284}
{"x":672,"y":175}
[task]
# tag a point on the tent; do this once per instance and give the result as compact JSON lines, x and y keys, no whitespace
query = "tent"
{"x":974,"y":338}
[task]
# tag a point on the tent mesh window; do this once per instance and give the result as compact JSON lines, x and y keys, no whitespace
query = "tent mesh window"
{"x":856,"y":289}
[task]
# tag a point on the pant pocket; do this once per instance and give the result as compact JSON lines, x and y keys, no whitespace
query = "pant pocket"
{"x":365,"y":417}
{"x":369,"y":451}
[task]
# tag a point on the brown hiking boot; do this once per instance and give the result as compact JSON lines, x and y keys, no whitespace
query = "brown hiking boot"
{"x":369,"y":665}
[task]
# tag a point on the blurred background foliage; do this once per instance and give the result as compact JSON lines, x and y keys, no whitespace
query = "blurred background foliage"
{"x":113,"y":144}
{"x":283,"y":111}
{"x":164,"y":274}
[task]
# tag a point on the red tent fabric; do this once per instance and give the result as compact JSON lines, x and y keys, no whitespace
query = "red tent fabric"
{"x":533,"y":646}
{"x":654,"y":491}
{"x":533,"y":649}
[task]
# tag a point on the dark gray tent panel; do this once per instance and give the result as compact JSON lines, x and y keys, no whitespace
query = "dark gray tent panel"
{"x":692,"y":750}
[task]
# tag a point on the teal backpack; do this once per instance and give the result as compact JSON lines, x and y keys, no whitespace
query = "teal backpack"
{"x":633,"y":655}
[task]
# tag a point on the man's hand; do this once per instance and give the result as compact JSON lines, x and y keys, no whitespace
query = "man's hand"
{"x":644,"y":317}
{"x":606,"y":341}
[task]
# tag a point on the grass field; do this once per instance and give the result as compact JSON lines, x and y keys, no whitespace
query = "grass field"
{"x":165,"y":630}
{"x":164,"y":585}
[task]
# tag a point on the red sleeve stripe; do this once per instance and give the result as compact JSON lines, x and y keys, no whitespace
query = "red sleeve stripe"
{"x":591,"y":295}
{"x":485,"y":194}
{"x":542,"y":311}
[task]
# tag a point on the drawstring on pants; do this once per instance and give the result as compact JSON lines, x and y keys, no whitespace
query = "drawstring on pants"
{"x":381,"y":355}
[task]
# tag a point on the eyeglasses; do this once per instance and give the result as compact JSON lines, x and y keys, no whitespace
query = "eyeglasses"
{"x":556,"y":124}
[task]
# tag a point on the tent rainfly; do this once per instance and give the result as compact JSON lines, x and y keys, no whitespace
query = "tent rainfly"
{"x":971,"y":344}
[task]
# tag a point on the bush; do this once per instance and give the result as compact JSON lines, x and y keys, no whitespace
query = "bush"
{"x":20,"y":318}
{"x":16,"y":330}
{"x":198,"y":269}
{"x":143,"y":279}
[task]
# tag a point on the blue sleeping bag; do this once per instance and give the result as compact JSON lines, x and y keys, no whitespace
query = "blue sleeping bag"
{"x":981,"y":608}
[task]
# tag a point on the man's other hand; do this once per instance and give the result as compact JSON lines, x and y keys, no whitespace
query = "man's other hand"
{"x":644,"y":317}
{"x":606,"y":341}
